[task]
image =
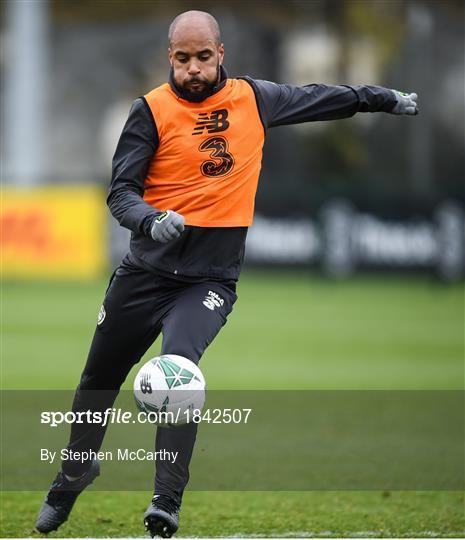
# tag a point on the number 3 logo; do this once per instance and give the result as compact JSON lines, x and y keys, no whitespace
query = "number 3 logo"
{"x":221,"y":161}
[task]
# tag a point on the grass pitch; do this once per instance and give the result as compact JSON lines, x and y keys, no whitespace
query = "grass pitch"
{"x":254,"y":514}
{"x":369,"y":333}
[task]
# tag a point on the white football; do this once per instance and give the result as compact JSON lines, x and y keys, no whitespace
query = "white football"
{"x":168,"y":389}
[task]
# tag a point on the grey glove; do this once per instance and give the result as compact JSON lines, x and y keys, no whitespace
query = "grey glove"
{"x":167,"y":226}
{"x":406,"y":103}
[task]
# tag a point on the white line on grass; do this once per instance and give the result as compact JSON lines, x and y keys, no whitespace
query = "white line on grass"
{"x":381,"y":535}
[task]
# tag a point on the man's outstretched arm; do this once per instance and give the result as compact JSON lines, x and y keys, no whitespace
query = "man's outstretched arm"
{"x":283,"y":104}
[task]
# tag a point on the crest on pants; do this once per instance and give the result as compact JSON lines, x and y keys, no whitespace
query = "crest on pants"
{"x":101,"y":315}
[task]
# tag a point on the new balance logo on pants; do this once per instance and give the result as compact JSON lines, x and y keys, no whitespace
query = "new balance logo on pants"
{"x":213,"y":300}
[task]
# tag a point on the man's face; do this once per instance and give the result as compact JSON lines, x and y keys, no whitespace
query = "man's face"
{"x":195,"y":59}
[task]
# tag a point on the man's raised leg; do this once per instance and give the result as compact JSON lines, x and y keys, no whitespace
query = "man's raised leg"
{"x":198,"y":314}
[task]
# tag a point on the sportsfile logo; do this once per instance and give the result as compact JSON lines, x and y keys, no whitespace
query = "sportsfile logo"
{"x":214,"y":123}
{"x":213,"y":300}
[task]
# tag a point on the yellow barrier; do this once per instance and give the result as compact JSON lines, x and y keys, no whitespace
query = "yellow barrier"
{"x":53,"y":232}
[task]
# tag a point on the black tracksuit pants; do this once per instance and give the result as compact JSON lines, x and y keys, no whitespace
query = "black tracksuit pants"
{"x":138,"y":306}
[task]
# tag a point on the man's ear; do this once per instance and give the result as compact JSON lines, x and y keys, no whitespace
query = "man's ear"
{"x":221,"y":53}
{"x":170,"y":57}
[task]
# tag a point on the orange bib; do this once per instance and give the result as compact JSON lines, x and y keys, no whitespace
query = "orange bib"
{"x":209,"y":156}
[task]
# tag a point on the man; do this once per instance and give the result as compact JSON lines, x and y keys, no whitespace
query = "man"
{"x":185,"y":174}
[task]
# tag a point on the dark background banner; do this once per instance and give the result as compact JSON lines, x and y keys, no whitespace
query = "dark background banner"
{"x":299,"y":440}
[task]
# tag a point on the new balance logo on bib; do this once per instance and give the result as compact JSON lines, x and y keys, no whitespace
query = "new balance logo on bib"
{"x":213,"y":124}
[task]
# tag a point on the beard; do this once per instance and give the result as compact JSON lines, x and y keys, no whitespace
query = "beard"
{"x":206,"y":88}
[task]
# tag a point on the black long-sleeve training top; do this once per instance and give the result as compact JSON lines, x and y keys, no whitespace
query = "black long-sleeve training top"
{"x":215,"y":252}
